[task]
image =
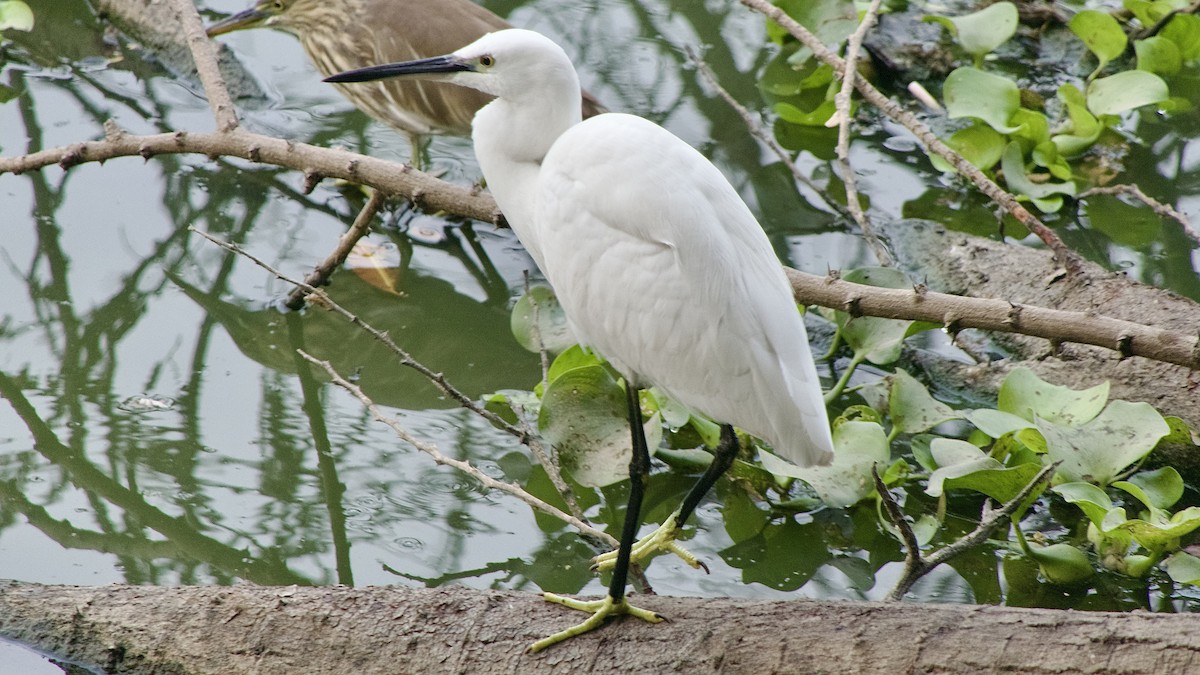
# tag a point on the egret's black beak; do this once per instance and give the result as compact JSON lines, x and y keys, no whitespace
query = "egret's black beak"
{"x":436,"y":65}
{"x":245,"y":19}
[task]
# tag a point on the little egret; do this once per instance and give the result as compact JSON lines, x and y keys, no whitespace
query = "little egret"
{"x":343,"y":34}
{"x":660,"y":267}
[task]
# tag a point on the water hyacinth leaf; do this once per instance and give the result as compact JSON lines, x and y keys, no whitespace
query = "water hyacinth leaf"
{"x":979,"y":144}
{"x":970,"y":92}
{"x":832,"y":21}
{"x":1124,"y":91}
{"x":1158,"y":489}
{"x":954,"y":459}
{"x":1184,"y":568}
{"x":1183,"y":31}
{"x":1062,"y":563}
{"x":584,"y":417}
{"x":571,"y":358}
{"x":15,"y":15}
{"x":1158,"y":55}
{"x":1026,"y":395}
{"x":911,"y":407}
{"x":510,"y":404}
{"x":879,"y":340}
{"x":1101,"y":33}
{"x":1046,"y":195}
{"x":919,"y":445}
{"x":1150,"y":12}
{"x":996,"y":423}
{"x":981,"y":32}
{"x":1099,"y":450}
{"x":814,"y":118}
{"x":1159,"y":536}
{"x":538,"y":321}
{"x":999,"y":483}
{"x":1085,"y":128}
{"x":1093,"y":501}
{"x":857,"y":446}
{"x":1032,"y":128}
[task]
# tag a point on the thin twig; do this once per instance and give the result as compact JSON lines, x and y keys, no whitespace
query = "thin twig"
{"x":321,"y":273}
{"x":917,"y":565}
{"x":1164,"y":210}
{"x":206,"y":66}
{"x":756,"y":130}
{"x":466,"y":467}
{"x":843,"y":118}
{"x":406,"y":359}
{"x":1069,"y":259}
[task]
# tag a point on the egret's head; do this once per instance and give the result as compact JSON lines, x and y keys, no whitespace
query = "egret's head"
{"x":283,"y":14}
{"x":506,"y":64}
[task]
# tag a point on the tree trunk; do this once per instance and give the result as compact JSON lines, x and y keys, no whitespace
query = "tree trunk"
{"x":242,"y":629}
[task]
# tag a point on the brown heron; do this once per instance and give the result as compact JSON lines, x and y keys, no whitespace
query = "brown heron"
{"x":341,"y":35}
{"x":658,"y":263}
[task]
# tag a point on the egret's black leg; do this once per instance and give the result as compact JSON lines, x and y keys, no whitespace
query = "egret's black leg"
{"x":615,"y":603}
{"x":639,"y":473}
{"x":726,"y":452}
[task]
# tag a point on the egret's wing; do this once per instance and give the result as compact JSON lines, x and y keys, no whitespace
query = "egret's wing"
{"x":663,"y":269}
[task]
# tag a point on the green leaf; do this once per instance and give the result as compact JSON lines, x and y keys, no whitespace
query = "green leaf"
{"x":550,"y":329}
{"x":1184,"y":568}
{"x":857,"y":446}
{"x":1084,"y":129}
{"x":911,"y":407}
{"x":1101,"y":33}
{"x":970,"y":92}
{"x":815,"y":118}
{"x":674,"y":413}
{"x":979,"y":144}
{"x":1062,"y":563}
{"x":999,"y":483}
{"x":1158,"y":55}
{"x":1093,"y":501}
{"x":1184,"y":31}
{"x":954,"y":459}
{"x":1124,"y":91}
{"x":1026,"y":395}
{"x":1159,"y":536}
{"x":584,"y":417}
{"x":573,"y":357}
{"x":996,"y":423}
{"x":1158,"y":489}
{"x":16,"y":15}
{"x":982,"y":31}
{"x":1046,"y":195}
{"x":1099,"y":450}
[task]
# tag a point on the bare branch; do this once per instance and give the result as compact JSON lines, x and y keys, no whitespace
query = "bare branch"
{"x":843,"y":118}
{"x":320,"y":275}
{"x":206,"y":66}
{"x":957,"y":312}
{"x":315,"y":162}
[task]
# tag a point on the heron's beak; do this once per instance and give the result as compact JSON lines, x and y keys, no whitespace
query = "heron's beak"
{"x":248,"y":18}
{"x":437,"y":65}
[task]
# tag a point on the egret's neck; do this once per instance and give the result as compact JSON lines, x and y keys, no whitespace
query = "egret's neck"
{"x":512,"y":135}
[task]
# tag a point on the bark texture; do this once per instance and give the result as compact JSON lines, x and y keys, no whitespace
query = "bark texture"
{"x":266,"y":630}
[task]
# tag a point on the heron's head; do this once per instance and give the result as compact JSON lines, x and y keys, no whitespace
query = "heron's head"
{"x":284,"y":14}
{"x":508,"y":64}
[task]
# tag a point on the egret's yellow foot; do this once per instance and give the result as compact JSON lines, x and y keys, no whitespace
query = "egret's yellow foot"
{"x":662,"y":539}
{"x":601,"y":610}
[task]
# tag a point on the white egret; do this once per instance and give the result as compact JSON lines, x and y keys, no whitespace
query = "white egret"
{"x":658,"y":263}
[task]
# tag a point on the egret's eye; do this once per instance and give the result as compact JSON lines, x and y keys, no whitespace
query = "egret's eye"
{"x":486,"y":61}
{"x":278,"y":5}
